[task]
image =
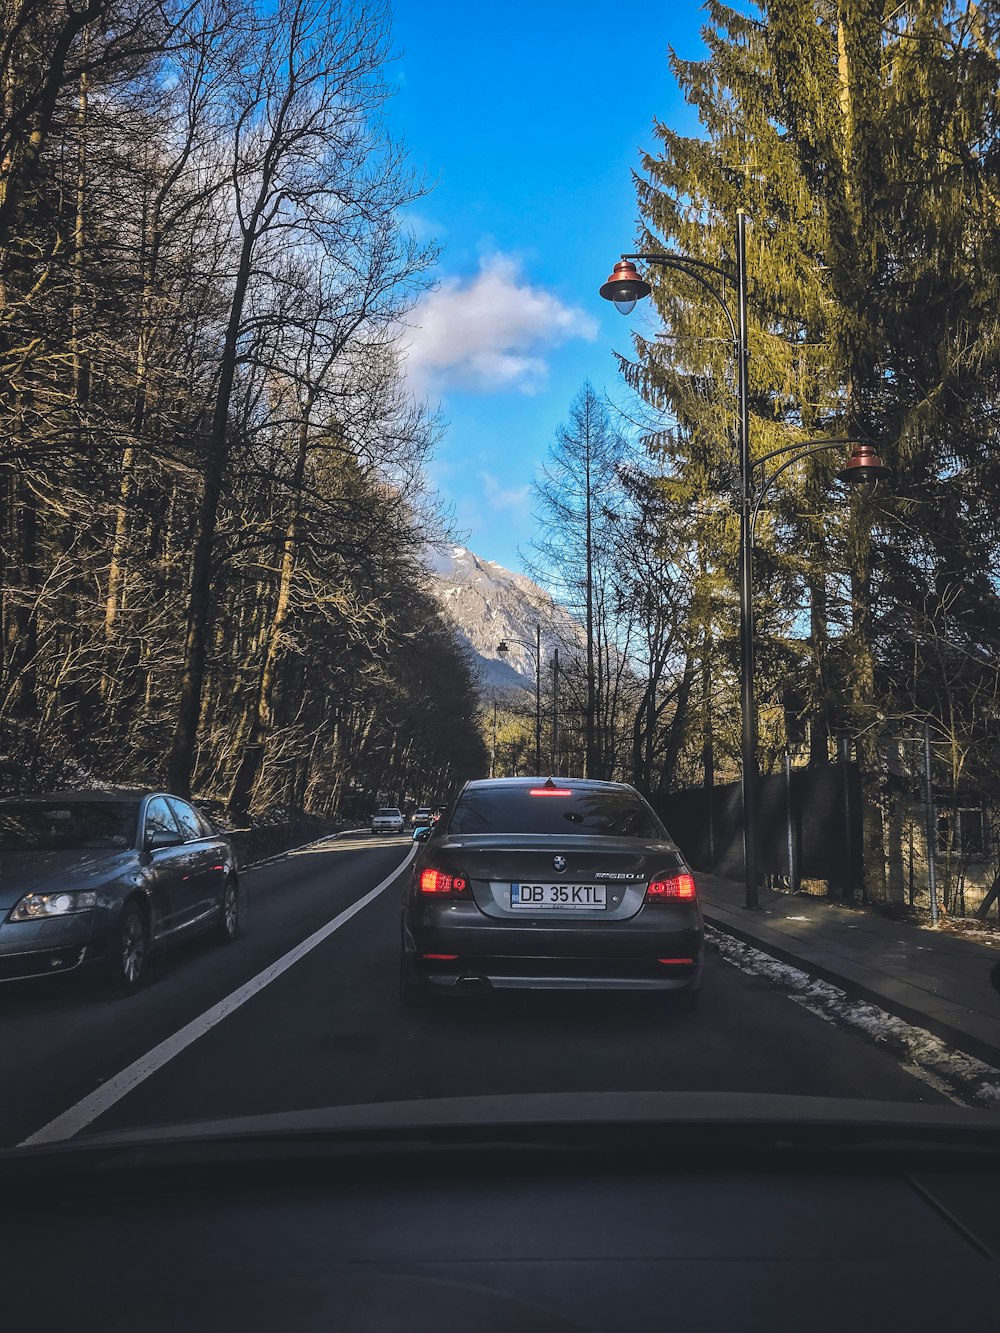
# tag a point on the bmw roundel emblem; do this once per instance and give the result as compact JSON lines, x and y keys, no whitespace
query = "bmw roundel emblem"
{"x":559,"y":862}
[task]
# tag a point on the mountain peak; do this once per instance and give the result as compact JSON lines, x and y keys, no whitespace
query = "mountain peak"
{"x":488,"y":604}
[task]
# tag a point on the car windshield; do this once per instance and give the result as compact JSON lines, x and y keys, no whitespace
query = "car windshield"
{"x":595,"y":423}
{"x":69,"y":826}
{"x":554,"y":810}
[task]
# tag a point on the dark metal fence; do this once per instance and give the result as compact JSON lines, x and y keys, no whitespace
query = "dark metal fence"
{"x":809,"y":826}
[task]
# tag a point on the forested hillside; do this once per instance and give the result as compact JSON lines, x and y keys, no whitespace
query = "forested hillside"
{"x":211,"y":482}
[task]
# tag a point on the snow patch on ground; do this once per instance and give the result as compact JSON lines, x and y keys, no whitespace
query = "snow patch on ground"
{"x":962,"y":1078}
{"x":960,"y":930}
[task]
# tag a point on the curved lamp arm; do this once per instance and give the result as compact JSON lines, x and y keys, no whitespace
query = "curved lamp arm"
{"x":525,"y":643}
{"x":816,"y":447}
{"x":691,"y":267}
{"x":767,"y":482}
{"x":667,"y":257}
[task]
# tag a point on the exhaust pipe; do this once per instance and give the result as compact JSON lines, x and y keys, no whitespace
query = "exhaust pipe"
{"x":472,"y":983}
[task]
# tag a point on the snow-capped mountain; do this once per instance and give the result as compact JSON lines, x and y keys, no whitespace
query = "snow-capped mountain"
{"x":489,"y":604}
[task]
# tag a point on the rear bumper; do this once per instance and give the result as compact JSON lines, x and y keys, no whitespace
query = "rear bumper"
{"x":489,"y":953}
{"x":483,"y":974}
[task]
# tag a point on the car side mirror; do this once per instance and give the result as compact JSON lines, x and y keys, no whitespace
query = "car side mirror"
{"x":421,"y":834}
{"x":162,"y":838}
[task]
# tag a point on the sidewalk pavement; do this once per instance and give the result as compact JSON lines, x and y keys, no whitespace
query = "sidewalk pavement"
{"x":932,"y":979}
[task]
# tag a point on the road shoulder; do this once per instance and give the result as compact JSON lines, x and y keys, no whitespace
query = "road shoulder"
{"x":933,"y":980}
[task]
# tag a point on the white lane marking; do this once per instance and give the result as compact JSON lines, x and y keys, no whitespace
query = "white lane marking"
{"x":70,"y":1122}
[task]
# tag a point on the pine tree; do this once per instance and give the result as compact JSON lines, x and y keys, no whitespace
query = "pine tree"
{"x":864,"y":150}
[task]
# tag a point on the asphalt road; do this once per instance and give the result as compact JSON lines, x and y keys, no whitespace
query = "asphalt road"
{"x":329,"y":1029}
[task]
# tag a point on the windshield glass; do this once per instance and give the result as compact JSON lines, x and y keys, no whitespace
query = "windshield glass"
{"x":84,"y":825}
{"x":554,"y":810}
{"x":588,"y":440}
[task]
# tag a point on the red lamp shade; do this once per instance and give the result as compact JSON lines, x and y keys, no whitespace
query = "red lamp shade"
{"x":863,"y":467}
{"x":625,"y":286}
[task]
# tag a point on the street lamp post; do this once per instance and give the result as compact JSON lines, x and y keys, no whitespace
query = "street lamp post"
{"x":493,"y":747}
{"x":624,"y":287}
{"x":555,"y":710}
{"x":503,"y":648}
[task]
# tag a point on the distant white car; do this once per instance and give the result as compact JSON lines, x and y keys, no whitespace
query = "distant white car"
{"x":388,"y":820}
{"x":421,"y":817}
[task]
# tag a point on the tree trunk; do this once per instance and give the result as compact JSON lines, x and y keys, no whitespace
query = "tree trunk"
{"x":81,"y":374}
{"x":20,"y":625}
{"x":863,"y":713}
{"x":858,"y":54}
{"x":819,"y":720}
{"x":592,"y":762}
{"x":252,"y":758}
{"x":181,"y":758}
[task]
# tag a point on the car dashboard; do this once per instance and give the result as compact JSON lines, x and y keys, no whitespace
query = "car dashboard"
{"x":648,"y":1226}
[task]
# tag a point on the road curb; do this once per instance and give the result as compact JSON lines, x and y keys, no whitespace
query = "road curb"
{"x":956,"y":1037}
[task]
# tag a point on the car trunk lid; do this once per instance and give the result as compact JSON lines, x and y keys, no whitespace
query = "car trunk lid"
{"x":501,"y":868}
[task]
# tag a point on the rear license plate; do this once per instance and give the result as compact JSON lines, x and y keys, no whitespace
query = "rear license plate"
{"x":541,"y":897}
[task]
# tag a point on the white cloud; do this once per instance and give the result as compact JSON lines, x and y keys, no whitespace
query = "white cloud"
{"x":497,"y":496}
{"x":424,"y":228}
{"x":489,"y":333}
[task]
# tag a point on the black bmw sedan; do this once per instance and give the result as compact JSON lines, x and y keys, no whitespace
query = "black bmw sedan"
{"x":103,"y":878}
{"x":550,"y":884}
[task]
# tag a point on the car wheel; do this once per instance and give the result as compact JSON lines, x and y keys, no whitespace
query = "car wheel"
{"x":230,"y":923}
{"x":128,"y":959}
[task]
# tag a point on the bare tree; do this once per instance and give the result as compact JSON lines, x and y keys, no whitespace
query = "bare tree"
{"x":304,"y":157}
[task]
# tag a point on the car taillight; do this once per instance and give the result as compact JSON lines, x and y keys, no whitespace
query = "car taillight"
{"x":672,"y":888}
{"x":441,"y":882}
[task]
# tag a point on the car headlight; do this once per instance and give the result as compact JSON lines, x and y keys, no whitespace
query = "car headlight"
{"x":37,"y":906}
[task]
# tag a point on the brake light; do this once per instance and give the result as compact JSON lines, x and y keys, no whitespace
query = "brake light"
{"x":669,"y":961}
{"x":439,"y":881}
{"x":672,"y":888}
{"x":550,"y":791}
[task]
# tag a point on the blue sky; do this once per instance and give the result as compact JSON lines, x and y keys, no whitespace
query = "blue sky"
{"x":529,"y":118}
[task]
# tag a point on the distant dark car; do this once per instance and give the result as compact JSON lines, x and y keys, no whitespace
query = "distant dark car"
{"x":550,"y":884}
{"x":105,"y":878}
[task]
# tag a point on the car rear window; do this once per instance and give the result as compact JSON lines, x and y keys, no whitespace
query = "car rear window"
{"x":515,"y":810}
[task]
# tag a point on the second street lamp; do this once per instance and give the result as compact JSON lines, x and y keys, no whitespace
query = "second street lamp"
{"x":503,"y":648}
{"x":624,"y":288}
